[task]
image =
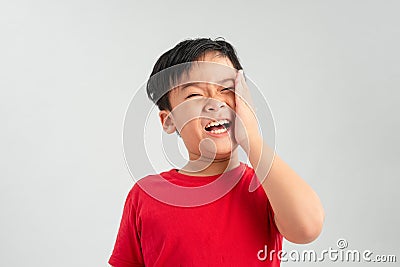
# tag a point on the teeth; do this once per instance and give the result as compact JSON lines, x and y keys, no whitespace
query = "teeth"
{"x":219,"y":131}
{"x":216,"y":123}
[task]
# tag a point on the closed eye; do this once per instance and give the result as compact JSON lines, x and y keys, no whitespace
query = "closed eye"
{"x":192,"y":95}
{"x":228,"y":89}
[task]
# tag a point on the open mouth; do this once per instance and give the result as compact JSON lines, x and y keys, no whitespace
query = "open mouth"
{"x":218,"y":127}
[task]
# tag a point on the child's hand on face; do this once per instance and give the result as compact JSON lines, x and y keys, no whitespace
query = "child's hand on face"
{"x":246,"y":124}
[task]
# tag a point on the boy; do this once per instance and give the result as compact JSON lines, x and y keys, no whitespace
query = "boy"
{"x":211,"y":227}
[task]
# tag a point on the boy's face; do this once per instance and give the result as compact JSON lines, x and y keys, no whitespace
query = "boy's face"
{"x":203,"y":109}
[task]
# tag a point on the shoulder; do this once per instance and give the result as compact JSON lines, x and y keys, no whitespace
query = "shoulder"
{"x":249,"y":178}
{"x":144,"y":188}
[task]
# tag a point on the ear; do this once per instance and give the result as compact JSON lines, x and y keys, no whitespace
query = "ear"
{"x":167,"y":121}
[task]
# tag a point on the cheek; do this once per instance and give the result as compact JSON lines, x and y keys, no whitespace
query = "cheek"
{"x":186,"y":113}
{"x":192,"y":129}
{"x":230,"y":101}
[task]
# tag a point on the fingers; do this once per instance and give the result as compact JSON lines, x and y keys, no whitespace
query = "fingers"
{"x":238,"y":82}
{"x":241,"y":90}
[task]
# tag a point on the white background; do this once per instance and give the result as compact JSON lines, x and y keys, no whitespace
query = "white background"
{"x":329,"y":69}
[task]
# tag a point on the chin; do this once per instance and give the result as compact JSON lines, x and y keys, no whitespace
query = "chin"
{"x":223,"y":153}
{"x":216,"y":155}
{"x":223,"y":156}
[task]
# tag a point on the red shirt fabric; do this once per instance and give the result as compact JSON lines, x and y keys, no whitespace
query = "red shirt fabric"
{"x":229,"y":231}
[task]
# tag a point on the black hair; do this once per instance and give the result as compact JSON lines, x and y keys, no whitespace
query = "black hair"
{"x":184,"y":52}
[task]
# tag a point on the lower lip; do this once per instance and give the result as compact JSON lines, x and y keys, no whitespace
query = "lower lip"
{"x":219,"y":134}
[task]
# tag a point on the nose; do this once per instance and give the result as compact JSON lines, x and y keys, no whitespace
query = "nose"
{"x":214,"y":105}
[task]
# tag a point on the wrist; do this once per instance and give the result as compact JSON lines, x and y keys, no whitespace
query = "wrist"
{"x":252,"y":144}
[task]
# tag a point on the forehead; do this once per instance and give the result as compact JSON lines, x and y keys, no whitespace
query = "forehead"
{"x":211,"y":68}
{"x":216,"y":57}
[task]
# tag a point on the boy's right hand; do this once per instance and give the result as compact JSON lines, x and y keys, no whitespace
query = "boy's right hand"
{"x":246,"y":123}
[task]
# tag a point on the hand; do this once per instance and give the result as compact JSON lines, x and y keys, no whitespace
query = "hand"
{"x":246,"y":124}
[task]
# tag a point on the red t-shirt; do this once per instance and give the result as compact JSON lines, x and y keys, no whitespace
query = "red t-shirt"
{"x":229,"y":231}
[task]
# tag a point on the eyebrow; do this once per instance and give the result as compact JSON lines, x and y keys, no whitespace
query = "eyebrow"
{"x":184,"y":86}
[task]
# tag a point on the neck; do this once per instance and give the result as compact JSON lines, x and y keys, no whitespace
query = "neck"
{"x":201,"y":166}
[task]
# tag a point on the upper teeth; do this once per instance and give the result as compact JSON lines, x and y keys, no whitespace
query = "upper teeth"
{"x":216,"y":123}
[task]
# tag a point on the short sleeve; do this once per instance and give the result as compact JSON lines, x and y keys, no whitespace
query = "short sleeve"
{"x":127,"y":249}
{"x":271,"y":216}
{"x":257,"y":186}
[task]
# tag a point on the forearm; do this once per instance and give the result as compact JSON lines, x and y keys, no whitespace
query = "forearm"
{"x":298,"y":211}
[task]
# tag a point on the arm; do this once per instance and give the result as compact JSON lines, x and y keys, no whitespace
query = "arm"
{"x":298,"y":211}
